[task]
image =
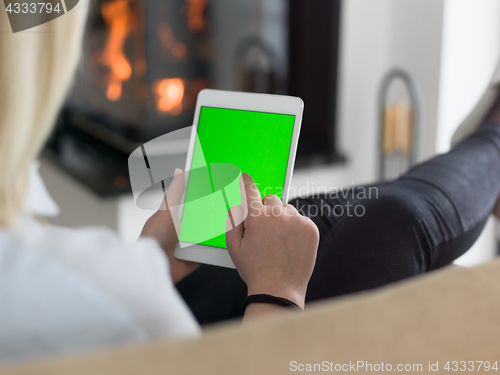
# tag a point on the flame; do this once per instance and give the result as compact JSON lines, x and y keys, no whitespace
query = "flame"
{"x":119,"y":20}
{"x":169,"y":43}
{"x":170,"y":92}
{"x":196,"y":21}
{"x":114,"y":91}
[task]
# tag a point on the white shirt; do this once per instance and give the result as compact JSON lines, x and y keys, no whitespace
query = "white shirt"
{"x":64,"y":290}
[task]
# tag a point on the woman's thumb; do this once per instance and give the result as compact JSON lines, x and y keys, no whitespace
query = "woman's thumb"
{"x":175,"y":190}
{"x":235,"y":228}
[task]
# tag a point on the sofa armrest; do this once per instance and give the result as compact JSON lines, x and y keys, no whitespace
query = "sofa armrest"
{"x":447,"y":315}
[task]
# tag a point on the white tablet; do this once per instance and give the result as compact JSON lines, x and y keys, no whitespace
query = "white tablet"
{"x":233,"y":133}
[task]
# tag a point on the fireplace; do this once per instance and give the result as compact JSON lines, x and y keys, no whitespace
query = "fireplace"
{"x":145,"y":61}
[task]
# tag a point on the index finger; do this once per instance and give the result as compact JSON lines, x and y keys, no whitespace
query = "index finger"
{"x":254,"y":201}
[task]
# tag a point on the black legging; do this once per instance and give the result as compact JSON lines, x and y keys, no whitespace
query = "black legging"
{"x":372,"y":237}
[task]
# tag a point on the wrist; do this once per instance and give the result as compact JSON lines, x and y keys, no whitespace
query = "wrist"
{"x":297,"y":297}
{"x":257,"y":310}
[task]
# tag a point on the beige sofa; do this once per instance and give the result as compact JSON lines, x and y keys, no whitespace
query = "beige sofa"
{"x":448,"y":315}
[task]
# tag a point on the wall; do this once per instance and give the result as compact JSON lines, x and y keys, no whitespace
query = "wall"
{"x":470,"y":53}
{"x":365,"y":54}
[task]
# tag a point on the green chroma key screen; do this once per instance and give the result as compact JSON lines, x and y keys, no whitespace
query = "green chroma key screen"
{"x":257,"y":143}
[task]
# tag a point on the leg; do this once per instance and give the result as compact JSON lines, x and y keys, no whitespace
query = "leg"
{"x":420,"y":222}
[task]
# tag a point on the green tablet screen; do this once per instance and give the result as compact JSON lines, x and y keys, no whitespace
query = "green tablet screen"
{"x":257,"y":143}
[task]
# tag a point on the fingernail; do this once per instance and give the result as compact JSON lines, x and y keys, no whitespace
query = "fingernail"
{"x":245,"y":174}
{"x":177,"y":171}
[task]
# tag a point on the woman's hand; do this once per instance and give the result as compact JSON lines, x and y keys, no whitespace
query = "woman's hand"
{"x":162,"y":227}
{"x":274,"y":248}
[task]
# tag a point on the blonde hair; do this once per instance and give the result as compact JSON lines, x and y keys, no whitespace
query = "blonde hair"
{"x":36,"y":67}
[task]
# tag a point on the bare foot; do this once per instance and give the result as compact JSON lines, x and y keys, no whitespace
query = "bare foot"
{"x":496,"y":210}
{"x":494,"y":112}
{"x":494,"y":116}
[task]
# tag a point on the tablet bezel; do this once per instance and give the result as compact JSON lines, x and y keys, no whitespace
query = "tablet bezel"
{"x":279,"y":104}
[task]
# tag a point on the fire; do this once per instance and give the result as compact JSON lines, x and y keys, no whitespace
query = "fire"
{"x":120,"y":21}
{"x":196,"y":21}
{"x":169,"y":43}
{"x":114,"y":90}
{"x":169,"y":94}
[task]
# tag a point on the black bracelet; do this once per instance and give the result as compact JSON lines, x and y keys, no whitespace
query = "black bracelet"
{"x":267,"y":298}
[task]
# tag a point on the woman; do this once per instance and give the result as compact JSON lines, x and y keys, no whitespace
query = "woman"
{"x":67,"y":290}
